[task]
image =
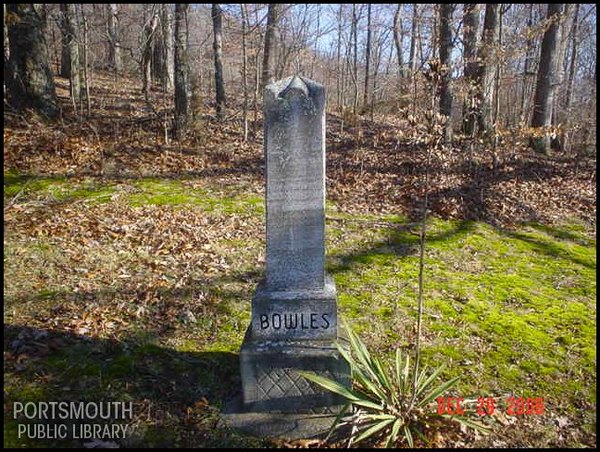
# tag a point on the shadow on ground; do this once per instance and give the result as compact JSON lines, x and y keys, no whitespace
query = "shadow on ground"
{"x":176,"y":395}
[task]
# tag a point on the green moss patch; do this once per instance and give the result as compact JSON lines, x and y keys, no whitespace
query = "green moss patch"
{"x":56,"y":188}
{"x":514,"y":310}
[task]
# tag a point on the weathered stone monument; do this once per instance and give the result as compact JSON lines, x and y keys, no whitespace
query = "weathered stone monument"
{"x":294,"y":310}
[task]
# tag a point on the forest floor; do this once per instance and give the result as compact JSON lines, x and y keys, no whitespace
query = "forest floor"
{"x":130,"y":263}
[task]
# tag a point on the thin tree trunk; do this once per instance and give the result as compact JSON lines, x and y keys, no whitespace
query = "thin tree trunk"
{"x":149,"y":29}
{"x":566,"y":23}
{"x":398,"y":37}
{"x":497,"y":77}
{"x":181,"y":70}
{"x":167,"y":27}
{"x":271,"y":44}
{"x":71,"y":43}
{"x":470,"y":27}
{"x":339,"y":79}
{"x":528,"y":71}
{"x":377,"y":62}
{"x":487,"y":70}
{"x":546,"y":83}
{"x":445,"y":50}
{"x":158,"y":55}
{"x":244,"y":69}
{"x":6,"y":43}
{"x":257,"y":80}
{"x":355,"y":65}
{"x":218,"y":53}
{"x":368,"y":58}
{"x":114,"y":47}
{"x":414,"y":42}
{"x":86,"y":74}
{"x":573,"y":60}
{"x":65,"y":63}
{"x":412,"y":59}
{"x":435,"y":30}
{"x":316,"y":49}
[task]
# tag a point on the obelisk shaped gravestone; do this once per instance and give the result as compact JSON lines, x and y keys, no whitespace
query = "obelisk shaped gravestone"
{"x":294,"y":312}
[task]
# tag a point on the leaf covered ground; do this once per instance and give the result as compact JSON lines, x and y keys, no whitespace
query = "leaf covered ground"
{"x":130,"y":263}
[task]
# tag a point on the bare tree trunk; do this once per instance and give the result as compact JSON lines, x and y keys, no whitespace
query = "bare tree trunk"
{"x":181,"y":70}
{"x":340,"y":78}
{"x":487,"y":69}
{"x":6,"y":43}
{"x":157,"y":64}
{"x":528,"y":71}
{"x":167,"y":26}
{"x":316,"y":50}
{"x":30,"y":83}
{"x":497,"y":77}
{"x":445,"y":49}
{"x":377,"y":62}
{"x":70,"y":42}
{"x":573,"y":60}
{"x":114,"y":47}
{"x":368,"y":58}
{"x":470,"y":27}
{"x":546,"y":83}
{"x":412,"y":64}
{"x":355,"y":65}
{"x":148,"y":36}
{"x":244,"y":68}
{"x":86,"y":74}
{"x":398,"y":37}
{"x":257,"y":81}
{"x":412,"y":59}
{"x":65,"y":63}
{"x":271,"y":43}
{"x":566,"y":23}
{"x":435,"y":31}
{"x":218,"y":53}
{"x":162,"y":69}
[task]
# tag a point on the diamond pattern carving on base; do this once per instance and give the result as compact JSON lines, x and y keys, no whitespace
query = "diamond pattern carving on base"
{"x":280,"y":382}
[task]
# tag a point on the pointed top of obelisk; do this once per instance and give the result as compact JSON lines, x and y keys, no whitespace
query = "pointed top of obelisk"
{"x":296,"y":84}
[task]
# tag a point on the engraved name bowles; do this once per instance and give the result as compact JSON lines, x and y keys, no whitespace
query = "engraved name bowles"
{"x":292,"y":321}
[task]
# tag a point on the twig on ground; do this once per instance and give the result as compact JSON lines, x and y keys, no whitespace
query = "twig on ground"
{"x":12,"y":201}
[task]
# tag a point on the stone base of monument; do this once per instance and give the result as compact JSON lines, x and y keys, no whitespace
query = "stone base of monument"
{"x":289,"y":426}
{"x":270,"y":379}
{"x":276,"y":401}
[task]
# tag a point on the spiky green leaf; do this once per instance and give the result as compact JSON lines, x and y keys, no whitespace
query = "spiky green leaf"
{"x":435,"y":393}
{"x":374,"y":428}
{"x":393,"y":436}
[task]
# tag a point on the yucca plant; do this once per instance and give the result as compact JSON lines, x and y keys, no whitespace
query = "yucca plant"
{"x":387,"y":405}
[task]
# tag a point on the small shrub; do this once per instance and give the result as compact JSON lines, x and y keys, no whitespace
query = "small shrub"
{"x":387,"y":405}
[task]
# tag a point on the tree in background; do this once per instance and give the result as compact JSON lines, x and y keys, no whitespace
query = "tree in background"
{"x":271,"y":43}
{"x":367,"y":59}
{"x":445,"y":48}
{"x":147,"y":44}
{"x":487,"y":68}
{"x":114,"y":49}
{"x":217,"y":17}
{"x":546,"y":84}
{"x":470,"y":27}
{"x":181,"y":70}
{"x":30,"y":82}
{"x":71,"y":56}
{"x":398,"y":39}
